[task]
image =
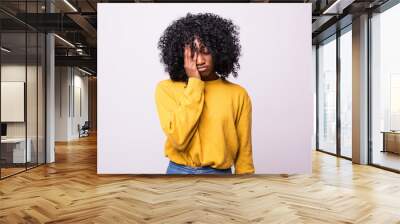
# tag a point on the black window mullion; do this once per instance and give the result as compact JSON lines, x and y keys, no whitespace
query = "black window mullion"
{"x":37,"y":90}
{"x":317,"y":96}
{"x":369,"y":90}
{"x":338,"y":91}
{"x":26,"y":86}
{"x":0,"y":96}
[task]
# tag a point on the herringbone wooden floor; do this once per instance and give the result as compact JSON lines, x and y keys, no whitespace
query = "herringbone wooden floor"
{"x":70,"y":191}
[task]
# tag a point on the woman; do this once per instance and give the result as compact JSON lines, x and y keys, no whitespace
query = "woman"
{"x":206,"y":118}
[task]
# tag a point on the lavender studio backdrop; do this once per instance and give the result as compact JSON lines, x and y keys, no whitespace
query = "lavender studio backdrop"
{"x":276,"y":69}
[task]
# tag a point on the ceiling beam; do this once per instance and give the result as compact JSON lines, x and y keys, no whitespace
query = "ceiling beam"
{"x":85,"y":25}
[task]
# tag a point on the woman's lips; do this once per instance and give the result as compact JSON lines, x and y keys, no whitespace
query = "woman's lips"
{"x":202,"y":69}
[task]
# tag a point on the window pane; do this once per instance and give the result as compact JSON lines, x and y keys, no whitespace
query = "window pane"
{"x":386,"y":88}
{"x":346,"y":93}
{"x":327,"y":96}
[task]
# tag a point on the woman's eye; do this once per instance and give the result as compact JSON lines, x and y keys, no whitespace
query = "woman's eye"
{"x":205,"y":51}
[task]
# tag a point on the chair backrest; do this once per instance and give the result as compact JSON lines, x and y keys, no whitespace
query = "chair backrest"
{"x":86,"y":125}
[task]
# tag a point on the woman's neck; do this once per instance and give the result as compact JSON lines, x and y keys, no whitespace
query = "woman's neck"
{"x":210,"y":77}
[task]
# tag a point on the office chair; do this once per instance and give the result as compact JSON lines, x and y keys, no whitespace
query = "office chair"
{"x":84,"y":130}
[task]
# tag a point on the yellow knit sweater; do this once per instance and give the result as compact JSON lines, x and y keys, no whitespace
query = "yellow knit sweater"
{"x":207,"y":123}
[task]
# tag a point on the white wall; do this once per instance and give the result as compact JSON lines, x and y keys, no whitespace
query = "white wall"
{"x":61,"y":103}
{"x":276,"y":70}
{"x":17,"y":72}
{"x":67,"y":84}
{"x":80,"y":84}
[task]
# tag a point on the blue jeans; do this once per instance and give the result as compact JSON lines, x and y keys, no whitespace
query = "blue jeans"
{"x":174,"y":168}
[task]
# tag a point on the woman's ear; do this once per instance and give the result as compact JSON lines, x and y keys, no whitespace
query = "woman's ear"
{"x":183,"y":76}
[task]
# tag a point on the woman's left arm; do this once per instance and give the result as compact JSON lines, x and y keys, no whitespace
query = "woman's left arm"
{"x":244,"y":159}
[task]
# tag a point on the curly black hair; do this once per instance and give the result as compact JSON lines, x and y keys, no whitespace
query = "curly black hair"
{"x":219,"y":35}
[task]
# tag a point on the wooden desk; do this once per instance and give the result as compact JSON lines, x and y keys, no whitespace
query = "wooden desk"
{"x":13,"y":150}
{"x":391,"y":142}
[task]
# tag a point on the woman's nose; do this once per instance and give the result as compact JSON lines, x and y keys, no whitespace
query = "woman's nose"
{"x":200,"y":59}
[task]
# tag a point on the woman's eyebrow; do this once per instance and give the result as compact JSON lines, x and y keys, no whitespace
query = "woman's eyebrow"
{"x":203,"y":47}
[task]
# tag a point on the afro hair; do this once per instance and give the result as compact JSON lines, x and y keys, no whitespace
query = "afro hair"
{"x":219,"y":35}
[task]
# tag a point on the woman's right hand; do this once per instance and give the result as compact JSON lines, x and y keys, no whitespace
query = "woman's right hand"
{"x":190,"y":63}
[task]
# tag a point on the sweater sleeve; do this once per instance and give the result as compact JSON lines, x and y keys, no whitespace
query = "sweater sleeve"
{"x":179,"y":117}
{"x":244,"y":158}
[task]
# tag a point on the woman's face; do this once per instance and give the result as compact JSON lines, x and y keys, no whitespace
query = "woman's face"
{"x":204,"y":61}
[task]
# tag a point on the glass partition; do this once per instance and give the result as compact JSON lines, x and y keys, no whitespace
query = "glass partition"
{"x":31,"y":104}
{"x":32,"y":95}
{"x":22,"y":77}
{"x":41,"y":88}
{"x":13,"y":109}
